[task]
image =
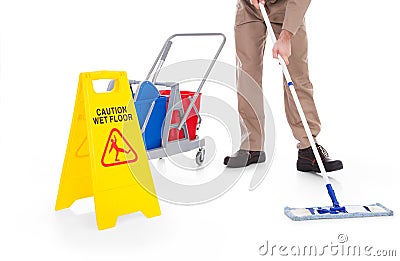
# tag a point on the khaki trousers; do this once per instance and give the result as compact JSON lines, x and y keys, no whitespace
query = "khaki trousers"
{"x":250,"y":38}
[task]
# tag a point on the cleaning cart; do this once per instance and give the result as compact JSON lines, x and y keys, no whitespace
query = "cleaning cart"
{"x":169,"y":118}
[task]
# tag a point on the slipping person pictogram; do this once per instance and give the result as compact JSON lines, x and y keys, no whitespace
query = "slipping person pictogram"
{"x":116,"y":148}
{"x":116,"y":143}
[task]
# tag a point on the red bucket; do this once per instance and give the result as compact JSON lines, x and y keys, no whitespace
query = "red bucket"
{"x":192,"y":119}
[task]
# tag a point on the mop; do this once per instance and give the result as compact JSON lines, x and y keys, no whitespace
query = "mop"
{"x":327,"y":212}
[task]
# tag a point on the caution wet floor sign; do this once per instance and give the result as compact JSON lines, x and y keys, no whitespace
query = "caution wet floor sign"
{"x":106,"y":157}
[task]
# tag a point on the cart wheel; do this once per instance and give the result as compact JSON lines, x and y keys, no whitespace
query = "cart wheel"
{"x":200,"y":156}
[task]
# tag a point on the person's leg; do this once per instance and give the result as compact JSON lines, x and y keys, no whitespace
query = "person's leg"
{"x":250,"y":43}
{"x":250,"y":35}
{"x":298,"y":69}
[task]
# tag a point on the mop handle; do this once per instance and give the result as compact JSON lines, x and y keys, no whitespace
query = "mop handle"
{"x":290,"y":85}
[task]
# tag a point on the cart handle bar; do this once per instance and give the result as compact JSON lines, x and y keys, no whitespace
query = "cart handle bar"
{"x":163,"y":54}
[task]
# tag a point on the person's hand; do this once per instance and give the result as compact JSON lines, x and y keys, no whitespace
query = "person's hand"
{"x":283,"y":46}
{"x":256,"y":3}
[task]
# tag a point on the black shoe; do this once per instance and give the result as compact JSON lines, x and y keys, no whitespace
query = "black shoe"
{"x":243,"y":158}
{"x":306,"y":160}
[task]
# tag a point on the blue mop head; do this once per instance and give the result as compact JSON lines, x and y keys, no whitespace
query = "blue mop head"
{"x":351,"y":211}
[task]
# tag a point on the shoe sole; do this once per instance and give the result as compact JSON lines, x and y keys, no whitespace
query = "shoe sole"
{"x":315,"y":168}
{"x":249,"y":162}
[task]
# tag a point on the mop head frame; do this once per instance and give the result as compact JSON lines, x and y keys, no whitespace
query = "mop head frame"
{"x":351,"y":211}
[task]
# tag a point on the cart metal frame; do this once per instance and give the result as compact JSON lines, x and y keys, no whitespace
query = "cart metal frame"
{"x":169,"y":148}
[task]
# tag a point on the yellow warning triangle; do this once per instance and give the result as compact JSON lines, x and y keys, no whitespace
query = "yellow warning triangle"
{"x":118,"y":150}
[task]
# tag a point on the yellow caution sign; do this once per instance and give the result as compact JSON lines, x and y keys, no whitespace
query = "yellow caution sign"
{"x":105,"y":156}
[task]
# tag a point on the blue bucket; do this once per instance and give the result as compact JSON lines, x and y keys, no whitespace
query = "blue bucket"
{"x":153,"y":132}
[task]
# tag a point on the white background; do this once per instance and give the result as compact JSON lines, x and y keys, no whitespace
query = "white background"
{"x":46,"y":44}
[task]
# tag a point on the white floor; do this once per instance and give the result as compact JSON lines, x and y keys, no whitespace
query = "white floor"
{"x":233,"y":226}
{"x":357,"y":102}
